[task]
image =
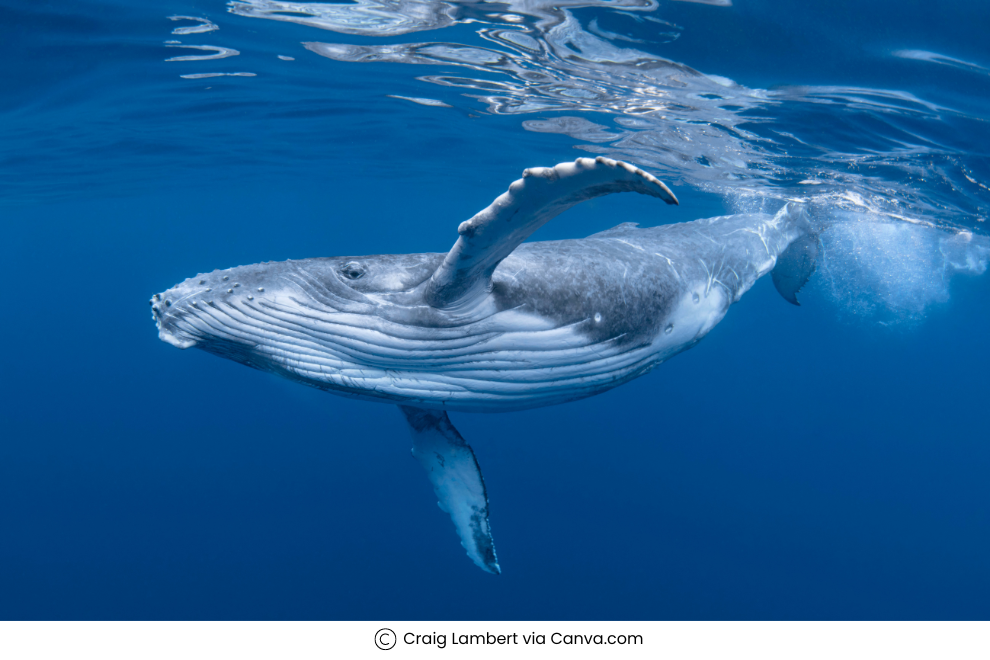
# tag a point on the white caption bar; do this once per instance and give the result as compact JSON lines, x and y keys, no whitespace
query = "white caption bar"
{"x":389,"y":640}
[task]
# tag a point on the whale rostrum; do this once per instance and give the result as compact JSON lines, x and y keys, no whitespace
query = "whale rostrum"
{"x":495,"y":324}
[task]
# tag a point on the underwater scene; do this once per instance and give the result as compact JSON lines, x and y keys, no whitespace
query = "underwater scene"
{"x":823,"y":453}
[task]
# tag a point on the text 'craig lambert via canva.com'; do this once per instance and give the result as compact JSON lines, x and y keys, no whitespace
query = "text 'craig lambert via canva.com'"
{"x":386,"y":639}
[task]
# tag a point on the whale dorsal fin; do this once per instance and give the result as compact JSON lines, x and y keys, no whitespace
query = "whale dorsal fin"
{"x":543,"y":193}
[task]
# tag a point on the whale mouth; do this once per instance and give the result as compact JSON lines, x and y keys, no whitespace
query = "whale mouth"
{"x":168,"y":337}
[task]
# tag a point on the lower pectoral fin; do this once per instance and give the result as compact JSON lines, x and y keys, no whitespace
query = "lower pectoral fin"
{"x":453,"y":470}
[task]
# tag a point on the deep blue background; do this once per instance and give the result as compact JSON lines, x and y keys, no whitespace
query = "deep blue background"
{"x":795,"y":464}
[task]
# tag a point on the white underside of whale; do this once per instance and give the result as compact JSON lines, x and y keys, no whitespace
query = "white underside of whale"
{"x":508,"y":361}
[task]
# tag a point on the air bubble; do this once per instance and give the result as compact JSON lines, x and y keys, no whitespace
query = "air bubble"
{"x":226,"y":277}
{"x":669,"y":329}
{"x":695,"y":297}
{"x":598,"y":318}
{"x":894,"y":272}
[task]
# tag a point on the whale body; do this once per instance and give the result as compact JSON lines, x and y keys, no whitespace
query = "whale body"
{"x":495,"y":324}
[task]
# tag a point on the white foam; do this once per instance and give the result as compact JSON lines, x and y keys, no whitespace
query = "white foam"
{"x":893,"y":272}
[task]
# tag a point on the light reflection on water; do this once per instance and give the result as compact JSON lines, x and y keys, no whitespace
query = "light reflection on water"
{"x":883,"y":151}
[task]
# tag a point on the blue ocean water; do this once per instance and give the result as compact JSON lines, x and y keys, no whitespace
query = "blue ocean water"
{"x":827,"y":462}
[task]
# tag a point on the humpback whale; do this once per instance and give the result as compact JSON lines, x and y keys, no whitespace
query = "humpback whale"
{"x":494,"y":324}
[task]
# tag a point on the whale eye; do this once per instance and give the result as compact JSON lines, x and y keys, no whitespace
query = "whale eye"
{"x":352,"y":270}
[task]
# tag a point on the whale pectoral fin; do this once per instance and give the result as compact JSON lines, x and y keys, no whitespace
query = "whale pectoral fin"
{"x":453,"y":470}
{"x":795,"y":266}
{"x":797,"y":263}
{"x":543,"y":192}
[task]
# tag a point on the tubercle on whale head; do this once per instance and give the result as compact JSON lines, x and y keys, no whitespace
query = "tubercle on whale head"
{"x":161,"y":306}
{"x":176,"y":309}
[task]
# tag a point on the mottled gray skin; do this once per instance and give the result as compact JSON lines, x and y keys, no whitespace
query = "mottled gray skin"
{"x":562,"y":320}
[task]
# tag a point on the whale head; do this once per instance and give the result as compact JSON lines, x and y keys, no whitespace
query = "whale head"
{"x":249,"y":305}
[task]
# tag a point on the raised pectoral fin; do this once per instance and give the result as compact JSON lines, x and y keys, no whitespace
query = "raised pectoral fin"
{"x":453,"y":470}
{"x":543,"y":192}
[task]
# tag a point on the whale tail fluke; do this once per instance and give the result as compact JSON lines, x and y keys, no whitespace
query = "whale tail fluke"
{"x":797,"y":263}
